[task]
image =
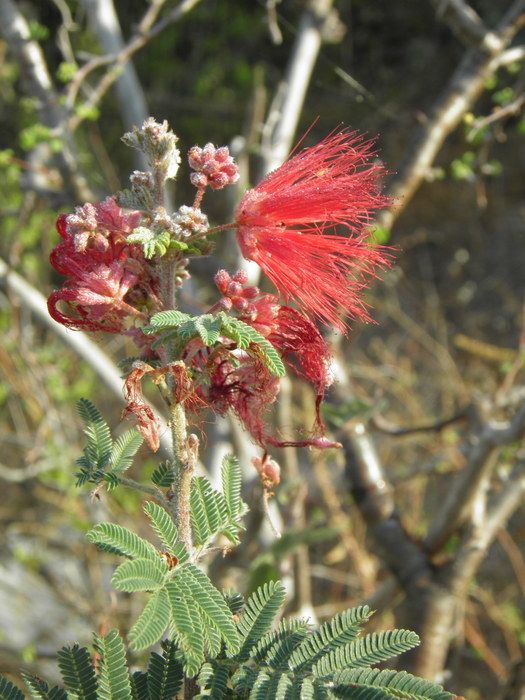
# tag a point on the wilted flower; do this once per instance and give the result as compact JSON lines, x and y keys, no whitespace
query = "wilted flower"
{"x":108,"y":285}
{"x":286,"y":224}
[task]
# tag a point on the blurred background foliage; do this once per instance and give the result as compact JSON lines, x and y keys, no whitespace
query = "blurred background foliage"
{"x":449,"y":332}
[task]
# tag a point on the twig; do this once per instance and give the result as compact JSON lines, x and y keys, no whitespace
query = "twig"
{"x":465,"y":86}
{"x":120,"y":59}
{"x":459,"y":502}
{"x":37,"y":83}
{"x":107,"y":370}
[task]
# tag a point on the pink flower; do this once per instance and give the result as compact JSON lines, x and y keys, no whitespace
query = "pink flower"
{"x":286,"y":224}
{"x":108,"y":284}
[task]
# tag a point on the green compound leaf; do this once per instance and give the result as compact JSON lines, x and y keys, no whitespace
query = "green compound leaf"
{"x":163,"y":475}
{"x":391,"y":684}
{"x":258,"y":615}
{"x":165,"y":673}
{"x":166,"y":320}
{"x":152,"y":242}
{"x":140,"y":575}
{"x":366,"y":651}
{"x":339,"y":631}
{"x":120,"y":540}
{"x":77,"y":672}
{"x":246,"y":337}
{"x":39,"y":689}
{"x":152,"y":622}
{"x":124,"y":449}
{"x":113,"y":676}
{"x":186,"y":623}
{"x":231,"y":478}
{"x":163,"y":525}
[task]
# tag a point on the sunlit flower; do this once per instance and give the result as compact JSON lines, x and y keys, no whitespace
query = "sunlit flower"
{"x":108,"y":285}
{"x":286,"y":224}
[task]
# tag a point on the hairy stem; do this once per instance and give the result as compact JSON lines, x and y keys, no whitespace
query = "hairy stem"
{"x":183,"y":468}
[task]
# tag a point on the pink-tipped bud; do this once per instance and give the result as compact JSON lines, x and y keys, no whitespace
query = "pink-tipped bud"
{"x":251,"y":292}
{"x":222,"y":280}
{"x":214,"y":166}
{"x":240,"y":303}
{"x":225,"y":303}
{"x":234,"y":289}
{"x":241,"y":277}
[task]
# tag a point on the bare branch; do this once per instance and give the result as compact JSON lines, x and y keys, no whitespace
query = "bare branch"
{"x":479,"y":463}
{"x":465,"y":86}
{"x":120,"y":59}
{"x":107,"y":370}
{"x":37,"y":83}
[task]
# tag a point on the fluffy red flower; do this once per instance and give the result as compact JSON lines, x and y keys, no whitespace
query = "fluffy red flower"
{"x":286,"y":224}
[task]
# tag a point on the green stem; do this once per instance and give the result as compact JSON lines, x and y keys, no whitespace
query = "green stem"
{"x":150,"y":490}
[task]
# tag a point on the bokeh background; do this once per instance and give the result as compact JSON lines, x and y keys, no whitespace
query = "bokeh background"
{"x":429,"y":401}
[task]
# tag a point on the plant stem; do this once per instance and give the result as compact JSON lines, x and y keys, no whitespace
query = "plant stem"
{"x":183,"y":468}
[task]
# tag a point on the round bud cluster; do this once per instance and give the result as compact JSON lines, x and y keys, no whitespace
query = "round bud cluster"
{"x":189,"y":221}
{"x":234,"y":293}
{"x":214,"y":166}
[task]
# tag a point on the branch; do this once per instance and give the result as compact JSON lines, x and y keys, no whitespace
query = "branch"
{"x":119,"y":59}
{"x":131,"y":98}
{"x":479,"y":464}
{"x":465,"y":86}
{"x":284,"y":116}
{"x":37,"y":83}
{"x":107,"y":370}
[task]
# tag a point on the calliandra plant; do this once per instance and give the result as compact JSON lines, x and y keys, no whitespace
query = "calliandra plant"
{"x":124,"y":261}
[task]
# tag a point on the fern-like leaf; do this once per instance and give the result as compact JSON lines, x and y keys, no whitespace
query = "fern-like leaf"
{"x":213,"y":680}
{"x":77,"y":672}
{"x":231,"y":478}
{"x":165,"y":673}
{"x":206,"y":515}
{"x":289,"y":634}
{"x":246,"y":337}
{"x":208,"y":328}
{"x":140,"y":575}
{"x":185,"y":621}
{"x":9,"y":691}
{"x":139,"y":686}
{"x":165,"y":320}
{"x":113,"y":676}
{"x":40,"y":690}
{"x":366,"y":651}
{"x":152,"y":622}
{"x":163,"y":475}
{"x":340,"y":630}
{"x":400,"y":685}
{"x":212,"y":606}
{"x":120,"y":540}
{"x":124,"y":449}
{"x":99,"y":440}
{"x":163,"y":525}
{"x":258,"y":615}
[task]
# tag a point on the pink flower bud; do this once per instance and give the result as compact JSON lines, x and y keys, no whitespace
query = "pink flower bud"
{"x":241,"y":277}
{"x":234,"y":289}
{"x":222,"y":280}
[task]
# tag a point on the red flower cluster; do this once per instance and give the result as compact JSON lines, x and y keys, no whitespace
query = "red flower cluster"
{"x":241,"y":382}
{"x":108,"y":283}
{"x":286,"y":224}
